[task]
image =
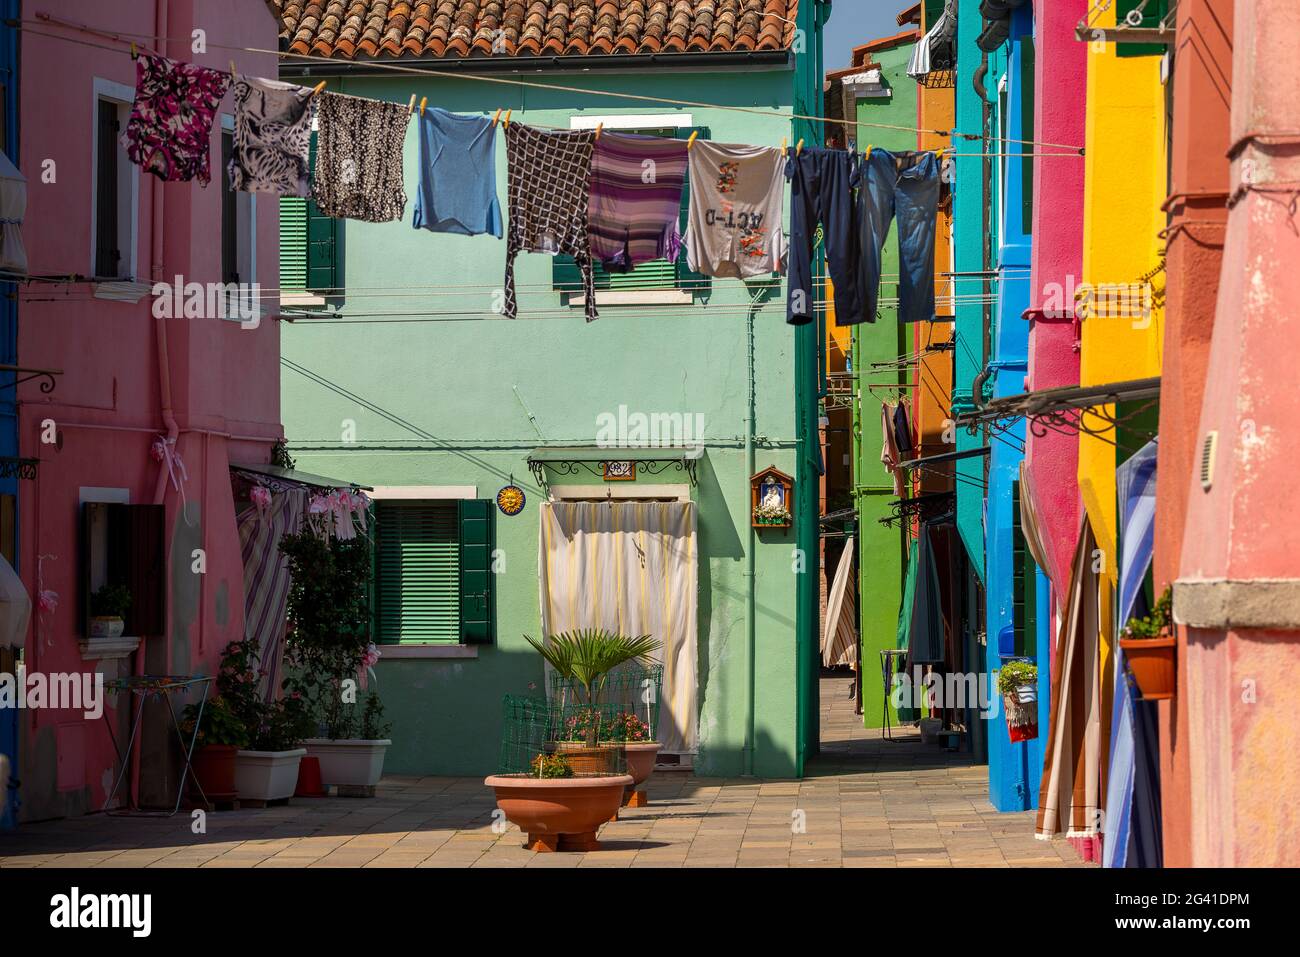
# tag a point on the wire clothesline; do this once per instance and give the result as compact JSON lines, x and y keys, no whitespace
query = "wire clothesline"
{"x":47,"y":20}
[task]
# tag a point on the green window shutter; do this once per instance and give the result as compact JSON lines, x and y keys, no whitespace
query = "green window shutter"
{"x":293,"y":242}
{"x":1152,"y":14}
{"x":693,"y":282}
{"x":566,"y":278}
{"x":1027,"y":133}
{"x":323,"y":238}
{"x":417,"y":571}
{"x":477,"y":541}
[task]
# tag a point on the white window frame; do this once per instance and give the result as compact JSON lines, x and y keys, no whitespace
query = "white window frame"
{"x":634,"y":121}
{"x":129,"y":176}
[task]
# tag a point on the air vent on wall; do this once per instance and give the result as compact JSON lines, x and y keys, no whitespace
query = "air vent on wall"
{"x":1208,"y":445}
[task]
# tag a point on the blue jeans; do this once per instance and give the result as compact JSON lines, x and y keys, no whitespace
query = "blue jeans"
{"x":902,"y":186}
{"x":821,"y":190}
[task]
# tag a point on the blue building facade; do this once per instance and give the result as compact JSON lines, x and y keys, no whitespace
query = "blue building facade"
{"x":8,"y":391}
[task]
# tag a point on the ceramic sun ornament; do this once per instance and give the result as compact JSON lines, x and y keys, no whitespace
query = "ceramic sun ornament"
{"x":511,"y":500}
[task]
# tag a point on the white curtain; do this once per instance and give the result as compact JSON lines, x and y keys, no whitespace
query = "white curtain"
{"x":629,"y":567}
{"x":840,"y":632}
{"x":15,"y":611}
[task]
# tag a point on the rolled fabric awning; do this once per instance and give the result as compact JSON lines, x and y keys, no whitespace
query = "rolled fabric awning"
{"x":15,"y":607}
{"x":13,"y":207}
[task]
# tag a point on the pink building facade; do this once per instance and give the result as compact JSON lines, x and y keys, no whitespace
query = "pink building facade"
{"x":105,"y":507}
{"x":1051,"y":460}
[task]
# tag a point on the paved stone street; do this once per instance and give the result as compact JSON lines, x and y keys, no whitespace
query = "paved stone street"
{"x":866,"y":802}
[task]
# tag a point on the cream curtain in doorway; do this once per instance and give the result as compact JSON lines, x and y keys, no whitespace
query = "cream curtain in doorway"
{"x":629,"y":567}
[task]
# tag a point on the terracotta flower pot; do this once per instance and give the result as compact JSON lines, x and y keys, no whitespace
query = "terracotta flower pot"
{"x":1152,"y":663}
{"x":586,"y":760}
{"x":640,"y":757}
{"x":559,"y":814}
{"x":213,"y":766}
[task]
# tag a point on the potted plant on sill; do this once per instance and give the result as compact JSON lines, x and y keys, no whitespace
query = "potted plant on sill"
{"x":327,"y":651}
{"x":108,"y":605}
{"x":1018,"y":686}
{"x":220,"y":735}
{"x":267,"y":768}
{"x":1148,"y":644}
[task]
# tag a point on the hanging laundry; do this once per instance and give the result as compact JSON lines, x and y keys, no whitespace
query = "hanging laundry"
{"x":272,"y":137}
{"x":458,"y":175}
{"x":889,"y":454}
{"x":359,"y":158}
{"x":169,"y":132}
{"x":734,"y":228}
{"x":548,"y":189}
{"x":903,"y":432}
{"x":902,"y":186}
{"x":821,"y":191}
{"x":636,"y":199}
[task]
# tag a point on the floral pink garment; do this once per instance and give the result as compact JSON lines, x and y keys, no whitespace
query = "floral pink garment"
{"x":171,"y":119}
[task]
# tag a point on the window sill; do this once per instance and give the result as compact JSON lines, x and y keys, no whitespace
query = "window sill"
{"x":301,"y":299}
{"x":417,"y":649}
{"x":103,"y":649}
{"x":633,"y":297}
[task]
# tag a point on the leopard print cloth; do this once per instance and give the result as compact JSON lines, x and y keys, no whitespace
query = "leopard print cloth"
{"x":548,"y":187}
{"x":272,"y":137}
{"x":359,"y":158}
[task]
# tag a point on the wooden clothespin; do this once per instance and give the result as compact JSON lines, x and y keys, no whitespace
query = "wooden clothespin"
{"x":319,"y":86}
{"x":410,"y":107}
{"x":496,"y":116}
{"x":233,"y":71}
{"x":784,"y":149}
{"x":798,"y":149}
{"x":599,"y":127}
{"x":135,"y":53}
{"x":507,"y":119}
{"x":869,"y":149}
{"x":423,"y":100}
{"x":690,"y":143}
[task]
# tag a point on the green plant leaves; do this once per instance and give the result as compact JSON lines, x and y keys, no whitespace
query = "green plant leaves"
{"x":587,"y":655}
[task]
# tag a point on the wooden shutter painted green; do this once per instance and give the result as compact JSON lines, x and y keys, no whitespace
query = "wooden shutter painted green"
{"x":324,"y":235}
{"x":1154,"y":12}
{"x":477,"y":541}
{"x":417,"y":572}
{"x":293,"y":242}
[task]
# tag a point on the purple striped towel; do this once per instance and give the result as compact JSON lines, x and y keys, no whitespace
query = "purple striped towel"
{"x":636,"y":198}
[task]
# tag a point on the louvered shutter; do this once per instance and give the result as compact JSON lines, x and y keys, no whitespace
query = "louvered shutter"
{"x":417,"y":572}
{"x":293,"y":242}
{"x":323,"y":241}
{"x":477,"y":540}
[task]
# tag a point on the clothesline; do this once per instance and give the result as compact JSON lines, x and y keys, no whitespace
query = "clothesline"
{"x":46,"y":19}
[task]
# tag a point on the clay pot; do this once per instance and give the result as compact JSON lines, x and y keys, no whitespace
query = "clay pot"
{"x":588,"y":760}
{"x":1152,"y":662}
{"x":640,"y":759}
{"x":213,"y":765}
{"x":559,"y":814}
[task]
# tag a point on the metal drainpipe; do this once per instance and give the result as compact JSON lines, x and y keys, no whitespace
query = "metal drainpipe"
{"x":750,"y":565}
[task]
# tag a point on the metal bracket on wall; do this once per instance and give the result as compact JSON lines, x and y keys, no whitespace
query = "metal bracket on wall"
{"x":22,"y":469}
{"x":22,"y":374}
{"x":1097,"y":411}
{"x":597,"y":468}
{"x":923,"y":507}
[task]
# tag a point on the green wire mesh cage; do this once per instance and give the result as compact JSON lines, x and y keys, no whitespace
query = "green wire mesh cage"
{"x":545,"y":740}
{"x":627,"y":699}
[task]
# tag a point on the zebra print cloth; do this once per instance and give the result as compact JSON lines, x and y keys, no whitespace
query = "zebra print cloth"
{"x":272,"y":137}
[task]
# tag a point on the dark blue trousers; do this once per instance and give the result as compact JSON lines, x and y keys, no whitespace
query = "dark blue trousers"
{"x":902,"y":186}
{"x":821,"y":190}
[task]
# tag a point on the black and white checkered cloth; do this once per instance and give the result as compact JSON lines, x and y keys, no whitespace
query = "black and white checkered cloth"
{"x":548,"y":184}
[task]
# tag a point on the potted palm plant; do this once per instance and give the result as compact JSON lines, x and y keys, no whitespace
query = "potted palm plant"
{"x":1018,"y":685}
{"x":1148,"y":644}
{"x":584,"y":659}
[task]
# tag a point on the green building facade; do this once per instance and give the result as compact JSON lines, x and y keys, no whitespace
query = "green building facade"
{"x":399,"y":374}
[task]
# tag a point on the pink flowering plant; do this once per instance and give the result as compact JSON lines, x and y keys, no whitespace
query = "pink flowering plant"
{"x":627,"y":728}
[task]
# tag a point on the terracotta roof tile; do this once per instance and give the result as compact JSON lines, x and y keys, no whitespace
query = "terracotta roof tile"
{"x":348,"y":29}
